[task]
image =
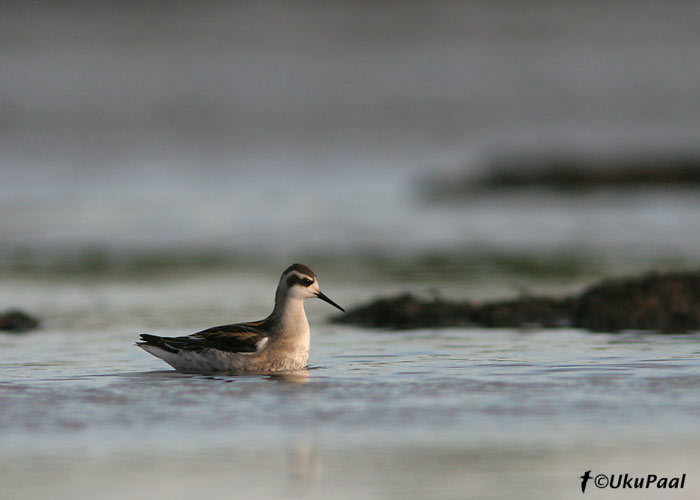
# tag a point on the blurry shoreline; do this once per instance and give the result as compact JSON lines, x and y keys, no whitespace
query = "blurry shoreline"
{"x":103,"y":263}
{"x":567,"y":172}
{"x":211,"y":134}
{"x":657,"y":302}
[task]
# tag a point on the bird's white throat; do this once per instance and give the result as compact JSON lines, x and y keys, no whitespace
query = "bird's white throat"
{"x":290,"y":317}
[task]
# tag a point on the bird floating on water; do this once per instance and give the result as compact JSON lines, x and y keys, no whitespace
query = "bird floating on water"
{"x":279,"y":342}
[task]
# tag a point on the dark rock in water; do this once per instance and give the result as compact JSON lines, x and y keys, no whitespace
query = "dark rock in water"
{"x":524,"y":312}
{"x":589,"y":173}
{"x":569,"y":172}
{"x":408,"y":311}
{"x":660,"y":302}
{"x":17,"y":321}
{"x":663,"y":302}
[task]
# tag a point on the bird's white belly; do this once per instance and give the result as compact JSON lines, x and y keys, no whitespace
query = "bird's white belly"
{"x":214,"y":360}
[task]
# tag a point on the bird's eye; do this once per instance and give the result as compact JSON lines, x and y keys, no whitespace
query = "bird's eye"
{"x":307,"y":281}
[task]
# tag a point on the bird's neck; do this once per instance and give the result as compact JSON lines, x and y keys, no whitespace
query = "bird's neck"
{"x":290,"y":336}
{"x":289,"y":316}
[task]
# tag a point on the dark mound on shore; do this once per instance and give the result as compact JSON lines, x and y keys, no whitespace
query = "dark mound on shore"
{"x":16,"y":321}
{"x":570,"y":173}
{"x":660,"y":302}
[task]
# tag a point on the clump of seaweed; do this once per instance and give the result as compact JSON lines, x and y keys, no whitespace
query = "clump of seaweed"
{"x":17,"y":321}
{"x":665,"y":302}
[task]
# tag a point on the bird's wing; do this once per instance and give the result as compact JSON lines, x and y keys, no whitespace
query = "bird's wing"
{"x":241,"y":337}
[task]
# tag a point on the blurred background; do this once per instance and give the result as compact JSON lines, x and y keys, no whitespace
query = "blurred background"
{"x":234,"y":130}
{"x":161,"y":162}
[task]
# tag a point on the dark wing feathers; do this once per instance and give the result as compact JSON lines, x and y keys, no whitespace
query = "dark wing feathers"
{"x":241,"y":337}
{"x":157,"y":341}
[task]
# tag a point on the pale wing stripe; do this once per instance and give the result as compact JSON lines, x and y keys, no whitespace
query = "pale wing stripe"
{"x":260,"y":344}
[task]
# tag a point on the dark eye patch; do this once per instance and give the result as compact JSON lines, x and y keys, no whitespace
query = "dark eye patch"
{"x":298,"y":280}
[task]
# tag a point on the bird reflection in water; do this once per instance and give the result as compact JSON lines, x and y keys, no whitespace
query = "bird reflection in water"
{"x":292,"y":377}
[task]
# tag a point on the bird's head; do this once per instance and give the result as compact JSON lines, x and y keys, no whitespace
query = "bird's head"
{"x":300,"y":282}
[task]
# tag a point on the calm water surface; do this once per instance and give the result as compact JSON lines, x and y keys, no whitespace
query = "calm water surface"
{"x":450,"y":413}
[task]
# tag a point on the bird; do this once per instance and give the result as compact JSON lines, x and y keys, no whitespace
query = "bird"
{"x":277,"y":343}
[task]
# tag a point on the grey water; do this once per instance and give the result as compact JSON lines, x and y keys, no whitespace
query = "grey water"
{"x":379,"y":414}
{"x":273,"y":128}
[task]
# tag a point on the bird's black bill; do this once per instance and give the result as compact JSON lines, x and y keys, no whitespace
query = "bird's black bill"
{"x":324,"y":298}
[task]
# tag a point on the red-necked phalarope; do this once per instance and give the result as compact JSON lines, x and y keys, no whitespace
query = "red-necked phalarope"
{"x":280,"y":342}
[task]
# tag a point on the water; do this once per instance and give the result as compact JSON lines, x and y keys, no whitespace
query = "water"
{"x":288,"y":130}
{"x":379,"y":414}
